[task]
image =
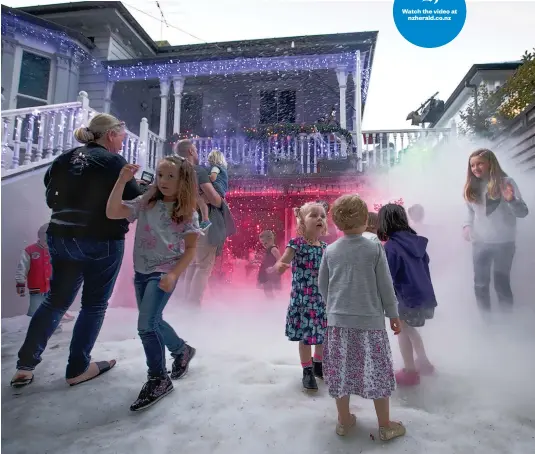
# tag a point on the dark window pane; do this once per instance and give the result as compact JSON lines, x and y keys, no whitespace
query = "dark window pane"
{"x":34,"y":75}
{"x":23,"y":102}
{"x":286,"y":110}
{"x":268,"y":107}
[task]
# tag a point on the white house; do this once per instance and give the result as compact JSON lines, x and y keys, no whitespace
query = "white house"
{"x":491,"y":75}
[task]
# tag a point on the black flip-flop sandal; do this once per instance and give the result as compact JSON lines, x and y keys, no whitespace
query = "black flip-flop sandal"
{"x":21,"y":382}
{"x":103,"y":367}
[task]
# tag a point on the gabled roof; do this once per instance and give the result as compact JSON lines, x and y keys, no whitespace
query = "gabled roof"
{"x":32,"y":19}
{"x":467,"y":79}
{"x":270,"y":47}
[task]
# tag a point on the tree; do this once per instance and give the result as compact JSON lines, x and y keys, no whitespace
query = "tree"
{"x":519,"y":90}
{"x":480,"y":115}
{"x":487,"y":113}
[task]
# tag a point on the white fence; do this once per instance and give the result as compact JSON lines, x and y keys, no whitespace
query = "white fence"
{"x":305,"y":153}
{"x":34,"y":136}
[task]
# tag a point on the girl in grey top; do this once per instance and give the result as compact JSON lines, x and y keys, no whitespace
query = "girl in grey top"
{"x":166,"y":238}
{"x":494,"y":203}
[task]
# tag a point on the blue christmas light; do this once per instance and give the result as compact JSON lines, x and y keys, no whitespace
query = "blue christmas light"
{"x":13,"y":25}
{"x":173,"y":67}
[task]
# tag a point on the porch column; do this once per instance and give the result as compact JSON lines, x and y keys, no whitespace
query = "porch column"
{"x":357,"y":117}
{"x":178,"y":85}
{"x":108,"y":90}
{"x":341,"y":75}
{"x":164,"y":96}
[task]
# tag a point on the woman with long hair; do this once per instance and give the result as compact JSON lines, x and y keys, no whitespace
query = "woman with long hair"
{"x":84,"y":245}
{"x":494,"y":203}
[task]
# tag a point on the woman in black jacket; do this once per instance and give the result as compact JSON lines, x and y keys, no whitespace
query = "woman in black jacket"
{"x":85,"y":247}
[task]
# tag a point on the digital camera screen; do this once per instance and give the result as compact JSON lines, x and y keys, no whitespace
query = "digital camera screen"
{"x":147,"y":177}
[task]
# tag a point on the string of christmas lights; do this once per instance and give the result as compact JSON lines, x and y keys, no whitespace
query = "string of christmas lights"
{"x":13,"y":24}
{"x":173,"y":67}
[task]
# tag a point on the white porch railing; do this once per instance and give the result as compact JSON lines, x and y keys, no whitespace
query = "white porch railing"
{"x":33,"y":137}
{"x":304,"y":153}
{"x":384,"y":148}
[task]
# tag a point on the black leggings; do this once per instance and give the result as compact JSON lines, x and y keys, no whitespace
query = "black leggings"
{"x":501,"y":256}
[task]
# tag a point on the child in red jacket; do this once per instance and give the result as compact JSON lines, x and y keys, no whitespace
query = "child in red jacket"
{"x":34,"y":271}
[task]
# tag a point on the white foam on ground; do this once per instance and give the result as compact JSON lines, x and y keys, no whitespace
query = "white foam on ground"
{"x":243,"y":393}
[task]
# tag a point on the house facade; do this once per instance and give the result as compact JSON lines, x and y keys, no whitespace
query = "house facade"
{"x":490,"y":75}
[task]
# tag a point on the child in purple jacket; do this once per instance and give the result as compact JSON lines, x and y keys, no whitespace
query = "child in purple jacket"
{"x":409,"y":266}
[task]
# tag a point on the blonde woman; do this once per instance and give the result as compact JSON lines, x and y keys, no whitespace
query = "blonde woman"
{"x":85,"y":248}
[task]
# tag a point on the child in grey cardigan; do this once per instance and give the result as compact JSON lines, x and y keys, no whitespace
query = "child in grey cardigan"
{"x":356,"y":285}
{"x":494,"y":203}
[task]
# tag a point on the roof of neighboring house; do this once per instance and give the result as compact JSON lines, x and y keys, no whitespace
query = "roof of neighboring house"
{"x":467,"y":79}
{"x":20,"y":14}
{"x":270,"y":47}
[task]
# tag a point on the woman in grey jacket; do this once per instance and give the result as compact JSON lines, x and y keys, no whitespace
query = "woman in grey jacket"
{"x":494,"y":203}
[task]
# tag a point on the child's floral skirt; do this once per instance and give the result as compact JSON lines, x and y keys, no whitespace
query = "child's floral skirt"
{"x":359,"y":362}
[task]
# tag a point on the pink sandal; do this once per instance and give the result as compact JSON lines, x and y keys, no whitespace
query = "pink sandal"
{"x":407,"y":378}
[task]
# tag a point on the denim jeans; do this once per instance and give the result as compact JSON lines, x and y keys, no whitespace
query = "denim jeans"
{"x":155,"y":333}
{"x":74,"y":260}
{"x":485,"y":256}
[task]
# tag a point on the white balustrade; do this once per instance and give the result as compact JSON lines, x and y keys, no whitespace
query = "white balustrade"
{"x":32,"y":137}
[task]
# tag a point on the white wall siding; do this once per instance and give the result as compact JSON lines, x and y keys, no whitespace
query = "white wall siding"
{"x":119,"y":50}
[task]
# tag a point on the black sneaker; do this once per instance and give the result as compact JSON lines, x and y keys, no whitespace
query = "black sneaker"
{"x":309,"y":381}
{"x":181,"y":363}
{"x":152,"y":391}
{"x":317,"y":366}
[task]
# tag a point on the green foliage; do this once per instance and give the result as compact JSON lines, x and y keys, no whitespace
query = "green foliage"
{"x":480,"y":116}
{"x":519,"y":90}
{"x":486,"y":115}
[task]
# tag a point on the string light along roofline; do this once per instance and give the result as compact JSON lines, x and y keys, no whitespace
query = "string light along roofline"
{"x":235,"y":66}
{"x":172,"y":67}
{"x":12,"y":25}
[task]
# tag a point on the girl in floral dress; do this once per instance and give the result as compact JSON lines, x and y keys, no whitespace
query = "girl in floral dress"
{"x":306,"y":321}
{"x":355,"y":282}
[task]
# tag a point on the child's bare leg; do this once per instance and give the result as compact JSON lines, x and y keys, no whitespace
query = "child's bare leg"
{"x":305,"y":354}
{"x":318,"y":352}
{"x":344,"y":416}
{"x":417,"y":343}
{"x":382,"y":409}
{"x":406,"y":348}
{"x":203,"y":206}
{"x":388,"y":430}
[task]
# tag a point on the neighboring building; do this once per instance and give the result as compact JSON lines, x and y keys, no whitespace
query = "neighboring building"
{"x":491,"y":75}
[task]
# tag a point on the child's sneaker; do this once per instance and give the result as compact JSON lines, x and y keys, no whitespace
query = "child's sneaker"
{"x":152,"y":391}
{"x":205,"y":225}
{"x":394,"y":430}
{"x":67,"y":318}
{"x":317,"y":367}
{"x":344,"y":430}
{"x":181,"y":363}
{"x":425,"y":367}
{"x":407,"y":378}
{"x":309,"y":381}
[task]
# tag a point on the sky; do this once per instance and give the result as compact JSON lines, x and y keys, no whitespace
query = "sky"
{"x":403,"y":75}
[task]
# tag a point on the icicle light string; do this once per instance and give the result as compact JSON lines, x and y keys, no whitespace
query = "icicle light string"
{"x":11,"y":23}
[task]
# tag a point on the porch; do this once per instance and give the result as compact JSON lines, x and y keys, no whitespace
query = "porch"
{"x":33,"y":137}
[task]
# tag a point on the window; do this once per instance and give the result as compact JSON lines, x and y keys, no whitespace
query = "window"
{"x":34,"y":80}
{"x":277,"y":106}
